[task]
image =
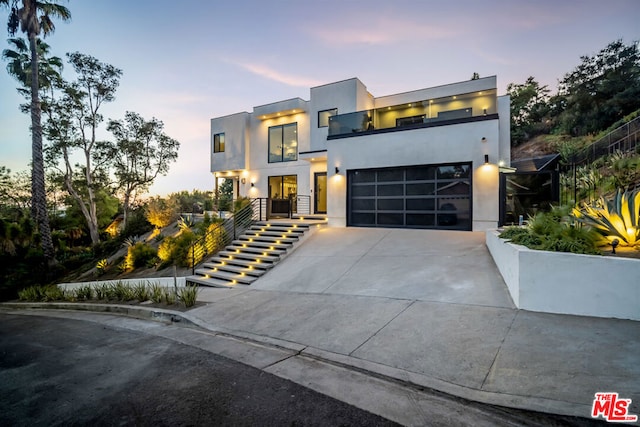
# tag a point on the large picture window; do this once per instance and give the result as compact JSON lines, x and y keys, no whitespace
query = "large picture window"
{"x":323,"y":117}
{"x":283,"y":143}
{"x":218,"y":143}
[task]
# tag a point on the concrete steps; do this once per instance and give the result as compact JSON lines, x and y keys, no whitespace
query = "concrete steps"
{"x":254,"y":253}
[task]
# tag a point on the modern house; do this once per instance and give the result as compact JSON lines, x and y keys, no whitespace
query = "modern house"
{"x":428,"y":158}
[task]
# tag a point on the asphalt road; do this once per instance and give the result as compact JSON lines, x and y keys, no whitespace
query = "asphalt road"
{"x":68,"y":372}
{"x":58,"y":371}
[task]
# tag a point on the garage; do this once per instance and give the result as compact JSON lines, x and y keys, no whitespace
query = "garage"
{"x":424,"y":196}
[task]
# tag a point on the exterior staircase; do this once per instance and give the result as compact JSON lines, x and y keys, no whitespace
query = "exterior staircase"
{"x":253,"y":253}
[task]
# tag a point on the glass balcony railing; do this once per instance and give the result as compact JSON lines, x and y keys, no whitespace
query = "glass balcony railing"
{"x":415,"y":114}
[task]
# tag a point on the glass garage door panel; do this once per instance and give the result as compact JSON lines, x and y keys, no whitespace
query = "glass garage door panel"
{"x":428,"y":196}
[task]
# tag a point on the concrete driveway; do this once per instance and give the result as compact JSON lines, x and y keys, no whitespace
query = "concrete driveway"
{"x":423,"y":265}
{"x":429,"y":307}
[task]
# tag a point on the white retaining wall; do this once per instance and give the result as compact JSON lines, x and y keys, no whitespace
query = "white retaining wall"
{"x":558,"y":282}
{"x":162,"y":281}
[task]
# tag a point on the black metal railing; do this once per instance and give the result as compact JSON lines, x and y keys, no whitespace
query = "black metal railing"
{"x":246,"y":212}
{"x":624,"y":139}
{"x":576,"y":174}
{"x":221,"y":234}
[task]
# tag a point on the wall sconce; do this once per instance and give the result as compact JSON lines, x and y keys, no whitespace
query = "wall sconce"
{"x":484,"y":139}
{"x":252,"y":184}
{"x":486,"y":159}
{"x":484,"y":111}
{"x":244,"y":181}
{"x":337,"y":170}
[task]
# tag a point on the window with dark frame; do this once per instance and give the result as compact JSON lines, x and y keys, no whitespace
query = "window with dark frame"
{"x":218,"y":143}
{"x":283,"y":143}
{"x":323,"y":117}
{"x":283,"y":186}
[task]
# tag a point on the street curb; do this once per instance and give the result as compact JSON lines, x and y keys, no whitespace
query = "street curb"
{"x":387,"y":373}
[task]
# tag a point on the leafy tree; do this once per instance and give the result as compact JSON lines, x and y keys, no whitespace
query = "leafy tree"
{"x":15,"y":192}
{"x":225,"y":195}
{"x":529,"y":107}
{"x":142,"y":151}
{"x":72,"y":124}
{"x":194,"y":201}
{"x":34,"y":18}
{"x":106,"y":207}
{"x":602,"y":89}
{"x":161,"y":212}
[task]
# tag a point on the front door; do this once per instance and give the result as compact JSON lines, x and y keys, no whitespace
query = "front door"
{"x":320,"y":184}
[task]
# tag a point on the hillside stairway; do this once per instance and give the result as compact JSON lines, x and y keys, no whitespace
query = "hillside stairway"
{"x":254,"y":253}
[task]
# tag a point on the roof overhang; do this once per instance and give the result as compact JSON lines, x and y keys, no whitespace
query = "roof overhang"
{"x":280,"y":109}
{"x":313,"y":156}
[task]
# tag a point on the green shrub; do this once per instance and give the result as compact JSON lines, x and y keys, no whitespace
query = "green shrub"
{"x":121,"y":292}
{"x":169,"y":296}
{"x":31,"y":293}
{"x":175,"y":250}
{"x":102,"y":291}
{"x":188,"y":295}
{"x":520,"y":235}
{"x":140,"y":255}
{"x":53,"y":293}
{"x":157,"y":293}
{"x":137,"y":224}
{"x":554,"y":231}
{"x":84,"y":292}
{"x":141,"y":292}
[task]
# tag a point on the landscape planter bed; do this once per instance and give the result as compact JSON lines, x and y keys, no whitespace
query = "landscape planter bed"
{"x":565,"y":283}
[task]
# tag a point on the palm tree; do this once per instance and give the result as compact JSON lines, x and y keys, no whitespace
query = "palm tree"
{"x":33,"y":18}
{"x":19,"y":66}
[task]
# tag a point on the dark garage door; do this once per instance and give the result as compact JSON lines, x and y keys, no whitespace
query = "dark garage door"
{"x":427,"y":196}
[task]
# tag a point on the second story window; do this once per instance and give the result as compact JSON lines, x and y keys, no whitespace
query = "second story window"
{"x":323,"y":117}
{"x":283,"y":143}
{"x":218,"y":143}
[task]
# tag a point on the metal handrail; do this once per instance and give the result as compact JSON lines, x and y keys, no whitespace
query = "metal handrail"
{"x":624,"y":139}
{"x":221,"y":234}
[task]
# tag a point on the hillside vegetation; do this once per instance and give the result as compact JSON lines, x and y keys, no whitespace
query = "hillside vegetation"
{"x":599,"y":95}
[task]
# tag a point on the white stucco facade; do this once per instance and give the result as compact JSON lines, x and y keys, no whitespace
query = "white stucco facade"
{"x":456,"y":124}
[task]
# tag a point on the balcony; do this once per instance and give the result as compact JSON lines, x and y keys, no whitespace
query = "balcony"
{"x":420,"y":114}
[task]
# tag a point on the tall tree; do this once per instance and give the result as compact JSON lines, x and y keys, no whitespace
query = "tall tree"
{"x":529,"y":105}
{"x":34,"y":18}
{"x":18,"y":61}
{"x":602,"y":89}
{"x":142,"y":151}
{"x":73,"y":121}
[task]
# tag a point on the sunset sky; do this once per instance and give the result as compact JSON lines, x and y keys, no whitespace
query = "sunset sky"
{"x":187,"y":61}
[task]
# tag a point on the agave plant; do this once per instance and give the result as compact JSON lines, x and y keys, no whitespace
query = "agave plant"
{"x":186,"y":224}
{"x":618,"y":218}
